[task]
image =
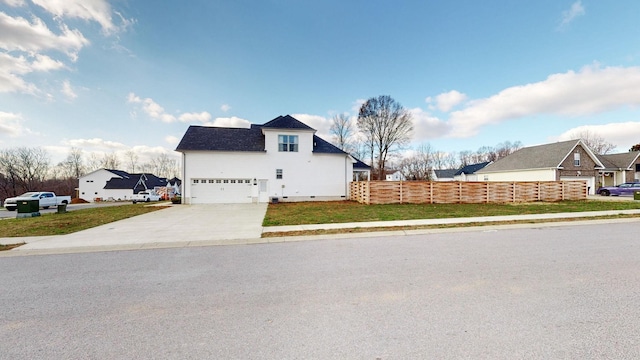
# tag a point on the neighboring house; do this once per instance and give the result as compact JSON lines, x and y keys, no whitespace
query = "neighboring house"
{"x":443,"y":175}
{"x":175,"y":185}
{"x":282,"y":159}
{"x":468,"y":173}
{"x":566,"y":160}
{"x":361,"y":171}
{"x":108,"y":184}
{"x":395,"y":175}
{"x":620,"y":168}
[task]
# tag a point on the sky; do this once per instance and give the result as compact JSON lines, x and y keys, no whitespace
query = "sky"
{"x":110,"y":76}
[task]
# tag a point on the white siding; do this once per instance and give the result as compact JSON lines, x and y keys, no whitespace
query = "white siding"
{"x":91,"y":186}
{"x":306,"y":176}
{"x":522,"y":175}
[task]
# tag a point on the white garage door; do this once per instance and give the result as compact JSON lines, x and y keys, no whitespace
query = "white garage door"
{"x":220,"y":191}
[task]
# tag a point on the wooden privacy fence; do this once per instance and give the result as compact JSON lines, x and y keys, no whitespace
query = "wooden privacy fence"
{"x":420,"y":192}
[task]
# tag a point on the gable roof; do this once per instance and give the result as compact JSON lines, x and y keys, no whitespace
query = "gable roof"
{"x":445,"y":173}
{"x":208,"y":138}
{"x":222,"y":139}
{"x":472,"y":168}
{"x":136,"y":182}
{"x":360,"y":165}
{"x":622,"y":161}
{"x":286,"y":122}
{"x":324,"y":147}
{"x":547,"y":156}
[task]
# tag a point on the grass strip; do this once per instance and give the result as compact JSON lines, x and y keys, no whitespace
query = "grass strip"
{"x":436,"y":226}
{"x":72,"y":221}
{"x":349,"y":211}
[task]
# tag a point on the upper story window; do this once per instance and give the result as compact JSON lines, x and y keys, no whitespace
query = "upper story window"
{"x":576,"y":159}
{"x":288,"y":143}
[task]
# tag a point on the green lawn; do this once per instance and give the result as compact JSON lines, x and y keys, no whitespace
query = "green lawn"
{"x":348,"y":211}
{"x":72,"y":221}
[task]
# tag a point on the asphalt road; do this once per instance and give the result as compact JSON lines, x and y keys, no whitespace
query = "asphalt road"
{"x":548,"y":293}
{"x":71,"y":207}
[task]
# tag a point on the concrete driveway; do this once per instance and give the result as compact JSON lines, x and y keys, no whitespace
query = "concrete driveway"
{"x":180,"y":225}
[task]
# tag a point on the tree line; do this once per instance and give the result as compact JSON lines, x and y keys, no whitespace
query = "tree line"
{"x":25,"y":169}
{"x":383,"y":129}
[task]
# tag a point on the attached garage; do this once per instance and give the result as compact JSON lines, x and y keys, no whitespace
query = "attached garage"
{"x":220,"y":191}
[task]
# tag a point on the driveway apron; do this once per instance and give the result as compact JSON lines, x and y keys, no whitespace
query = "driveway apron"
{"x":177,"y":224}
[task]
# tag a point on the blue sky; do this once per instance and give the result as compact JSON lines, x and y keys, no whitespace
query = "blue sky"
{"x":119,"y":75}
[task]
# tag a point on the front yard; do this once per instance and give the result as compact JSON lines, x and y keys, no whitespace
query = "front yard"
{"x":349,"y":211}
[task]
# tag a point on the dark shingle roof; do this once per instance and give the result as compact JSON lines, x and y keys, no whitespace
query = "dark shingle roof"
{"x":324,"y":147}
{"x":136,"y":182}
{"x":222,"y":139}
{"x":120,"y":173}
{"x":360,"y":165}
{"x":472,"y":168}
{"x":286,"y":122}
{"x":446,"y":173}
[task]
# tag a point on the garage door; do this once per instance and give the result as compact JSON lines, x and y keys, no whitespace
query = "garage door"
{"x":220,"y":191}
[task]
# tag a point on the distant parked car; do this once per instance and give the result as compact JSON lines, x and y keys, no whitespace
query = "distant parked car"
{"x":626,"y":189}
{"x":145,"y":196}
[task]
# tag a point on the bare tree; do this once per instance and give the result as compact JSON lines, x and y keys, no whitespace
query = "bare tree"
{"x":162,"y":166}
{"x":94,"y":162}
{"x":110,"y":161}
{"x":342,"y":131}
{"x":23,"y":169}
{"x":444,"y":160}
{"x":72,"y":166}
{"x":386,"y":125}
{"x":419,"y":165}
{"x":132,"y":160}
{"x":595,"y":142}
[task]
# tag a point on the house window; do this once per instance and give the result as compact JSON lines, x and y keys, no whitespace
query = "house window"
{"x":576,"y":159}
{"x":288,"y":143}
{"x":278,"y":173}
{"x":195,"y":181}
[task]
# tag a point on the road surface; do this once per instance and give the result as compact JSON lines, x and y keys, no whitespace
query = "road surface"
{"x":549,"y":293}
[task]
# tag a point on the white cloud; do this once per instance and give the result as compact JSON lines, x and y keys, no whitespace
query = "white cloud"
{"x":355,"y":107}
{"x":427,"y":127}
{"x":95,"y":144}
{"x":14,"y":3}
{"x":624,"y":135}
{"x":21,"y":35}
{"x":225,"y":107}
{"x":151,"y":108}
{"x":320,"y":123}
{"x":89,"y":10}
{"x":447,"y":101}
{"x":67,"y":90}
{"x":234,"y":122}
{"x":591,"y":90}
{"x":11,"y":124}
{"x":575,"y":11}
{"x":45,"y":63}
{"x":172,"y":140}
{"x":202,"y":117}
{"x":10,"y":69}
{"x":155,"y":111}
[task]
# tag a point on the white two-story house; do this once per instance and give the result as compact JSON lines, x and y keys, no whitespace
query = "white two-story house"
{"x":282,"y":159}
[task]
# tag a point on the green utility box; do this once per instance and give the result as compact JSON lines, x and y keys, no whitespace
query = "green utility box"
{"x":28,"y":208}
{"x":636,"y":195}
{"x":62,"y":208}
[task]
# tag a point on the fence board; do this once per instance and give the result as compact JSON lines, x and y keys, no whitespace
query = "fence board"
{"x":419,"y":192}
